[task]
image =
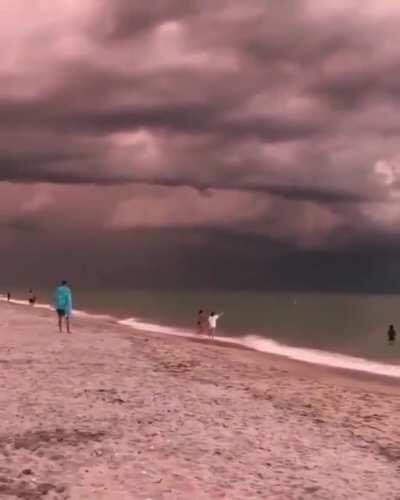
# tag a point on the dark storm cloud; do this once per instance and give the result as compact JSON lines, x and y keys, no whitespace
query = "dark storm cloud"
{"x":270,"y":121}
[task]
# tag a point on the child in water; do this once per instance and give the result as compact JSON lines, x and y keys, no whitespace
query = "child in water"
{"x":31,"y":298}
{"x":391,"y":334}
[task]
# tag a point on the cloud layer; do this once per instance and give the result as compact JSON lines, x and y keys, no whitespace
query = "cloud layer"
{"x":267,"y":121}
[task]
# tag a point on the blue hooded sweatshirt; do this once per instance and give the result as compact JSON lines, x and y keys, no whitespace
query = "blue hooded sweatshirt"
{"x":64,"y":299}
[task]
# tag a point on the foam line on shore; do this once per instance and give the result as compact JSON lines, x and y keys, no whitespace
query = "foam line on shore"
{"x":313,"y":356}
{"x":77,"y":313}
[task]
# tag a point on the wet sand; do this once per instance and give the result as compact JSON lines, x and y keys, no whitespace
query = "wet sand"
{"x":110,"y":413}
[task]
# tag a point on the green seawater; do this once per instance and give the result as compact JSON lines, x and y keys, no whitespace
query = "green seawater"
{"x":349,"y":324}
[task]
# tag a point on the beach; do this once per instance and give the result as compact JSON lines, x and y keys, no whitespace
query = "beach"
{"x":112,"y":413}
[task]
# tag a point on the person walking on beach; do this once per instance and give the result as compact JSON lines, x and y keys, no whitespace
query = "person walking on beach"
{"x":391,"y":334}
{"x":8,"y":296}
{"x":212,"y":324}
{"x":63,"y":305}
{"x":200,"y":321}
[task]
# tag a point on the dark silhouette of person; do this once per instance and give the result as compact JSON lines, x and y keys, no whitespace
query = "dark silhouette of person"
{"x":8,"y":296}
{"x":31,"y":297}
{"x":391,"y":333}
{"x":200,"y":321}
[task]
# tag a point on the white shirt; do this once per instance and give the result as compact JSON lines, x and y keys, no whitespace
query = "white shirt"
{"x":212,"y":320}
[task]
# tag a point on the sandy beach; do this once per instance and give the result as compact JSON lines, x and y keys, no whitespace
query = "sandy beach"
{"x":110,"y":413}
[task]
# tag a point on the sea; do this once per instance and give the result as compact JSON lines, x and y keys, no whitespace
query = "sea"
{"x":333,"y":329}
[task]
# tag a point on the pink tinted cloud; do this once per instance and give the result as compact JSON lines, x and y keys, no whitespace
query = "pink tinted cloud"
{"x":255,"y":101}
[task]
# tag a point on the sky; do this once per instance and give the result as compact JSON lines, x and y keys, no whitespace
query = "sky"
{"x":200,"y":143}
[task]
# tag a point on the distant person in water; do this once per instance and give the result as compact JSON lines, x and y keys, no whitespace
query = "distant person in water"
{"x":64,"y":305}
{"x":391,"y":333}
{"x":212,"y":324}
{"x":31,"y":297}
{"x":8,"y":296}
{"x":201,"y":319}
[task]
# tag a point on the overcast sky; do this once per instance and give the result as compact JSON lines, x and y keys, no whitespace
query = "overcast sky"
{"x":200,"y":143}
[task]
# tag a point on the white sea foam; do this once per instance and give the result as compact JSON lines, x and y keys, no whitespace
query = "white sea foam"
{"x":44,"y":306}
{"x":26,"y":303}
{"x":15,"y":301}
{"x":313,"y":356}
{"x":156,"y":328}
{"x":319,"y":357}
{"x":84,"y":314}
{"x":78,"y":313}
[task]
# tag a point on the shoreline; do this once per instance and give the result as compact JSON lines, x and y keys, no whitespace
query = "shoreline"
{"x":346,"y":376}
{"x":346,"y":365}
{"x":109,"y":413}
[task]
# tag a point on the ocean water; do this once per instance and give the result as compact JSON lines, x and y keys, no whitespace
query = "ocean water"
{"x":345,"y":330}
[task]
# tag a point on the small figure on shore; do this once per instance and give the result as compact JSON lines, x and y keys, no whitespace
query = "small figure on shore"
{"x":391,"y":333}
{"x":63,"y":305}
{"x":212,"y":324}
{"x":200,"y":321}
{"x":31,"y":297}
{"x":8,"y":296}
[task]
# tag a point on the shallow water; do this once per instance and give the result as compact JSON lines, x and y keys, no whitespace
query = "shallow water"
{"x":355,"y":325}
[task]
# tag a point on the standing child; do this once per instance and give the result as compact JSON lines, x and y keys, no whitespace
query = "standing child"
{"x":212,"y":324}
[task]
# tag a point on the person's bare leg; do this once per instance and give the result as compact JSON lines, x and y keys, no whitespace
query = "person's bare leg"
{"x":60,"y":323}
{"x":67,"y":323}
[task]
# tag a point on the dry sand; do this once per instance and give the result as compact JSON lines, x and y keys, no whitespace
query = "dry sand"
{"x":108,"y":413}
